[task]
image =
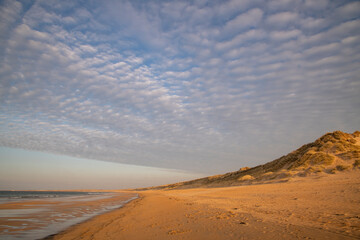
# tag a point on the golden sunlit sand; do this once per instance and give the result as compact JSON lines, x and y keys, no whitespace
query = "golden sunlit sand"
{"x":304,"y":195}
{"x":311,"y":208}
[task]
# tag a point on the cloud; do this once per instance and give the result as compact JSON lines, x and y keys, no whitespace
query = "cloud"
{"x":311,"y":23}
{"x":316,"y":4}
{"x":285,"y":35}
{"x":200,"y":89}
{"x":134,"y":22}
{"x":251,"y":35}
{"x":9,"y":13}
{"x":282,"y":4}
{"x":335,"y":33}
{"x":319,"y":51}
{"x":249,"y":19}
{"x":349,"y":11}
{"x":233,"y":7}
{"x":282,"y":19}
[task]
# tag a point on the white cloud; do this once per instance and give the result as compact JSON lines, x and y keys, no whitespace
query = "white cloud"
{"x":351,"y":40}
{"x":249,"y":19}
{"x":233,"y":6}
{"x":282,"y":4}
{"x":9,"y":12}
{"x":25,"y":32}
{"x":349,"y":11}
{"x":88,"y":48}
{"x":251,"y":35}
{"x":335,"y":33}
{"x":285,"y":35}
{"x":316,"y":4}
{"x":147,"y":84}
{"x":246,"y":51}
{"x":282,"y":19}
{"x":318,"y":51}
{"x":314,"y":23}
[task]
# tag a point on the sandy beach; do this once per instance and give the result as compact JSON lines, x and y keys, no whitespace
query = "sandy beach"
{"x":315,"y":207}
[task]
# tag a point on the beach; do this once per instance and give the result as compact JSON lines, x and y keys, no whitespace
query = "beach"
{"x":315,"y":207}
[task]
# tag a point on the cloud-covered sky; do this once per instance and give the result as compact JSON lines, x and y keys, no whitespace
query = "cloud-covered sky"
{"x":205,"y":86}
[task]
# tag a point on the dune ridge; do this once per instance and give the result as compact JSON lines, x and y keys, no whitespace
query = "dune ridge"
{"x":333,"y":152}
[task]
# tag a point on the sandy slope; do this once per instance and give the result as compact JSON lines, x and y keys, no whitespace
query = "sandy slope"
{"x":333,"y":152}
{"x":325,"y":207}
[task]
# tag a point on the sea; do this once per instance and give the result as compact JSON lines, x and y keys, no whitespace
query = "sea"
{"x":39,"y":214}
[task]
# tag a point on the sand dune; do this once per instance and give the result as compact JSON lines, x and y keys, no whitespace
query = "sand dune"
{"x":331,"y":153}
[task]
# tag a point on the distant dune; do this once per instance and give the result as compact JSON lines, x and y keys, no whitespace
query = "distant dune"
{"x":331,"y":153}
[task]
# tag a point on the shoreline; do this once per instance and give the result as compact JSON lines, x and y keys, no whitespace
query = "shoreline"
{"x":98,"y":220}
{"x":38,"y":218}
{"x":52,"y":236}
{"x":301,"y":208}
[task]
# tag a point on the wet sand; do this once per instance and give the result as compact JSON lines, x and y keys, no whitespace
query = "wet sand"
{"x":317,"y":207}
{"x":34,"y":219}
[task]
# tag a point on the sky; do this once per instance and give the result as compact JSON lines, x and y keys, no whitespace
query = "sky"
{"x":191,"y":88}
{"x":32,"y":170}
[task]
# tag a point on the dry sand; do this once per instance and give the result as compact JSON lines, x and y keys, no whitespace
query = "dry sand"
{"x":325,"y":207}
